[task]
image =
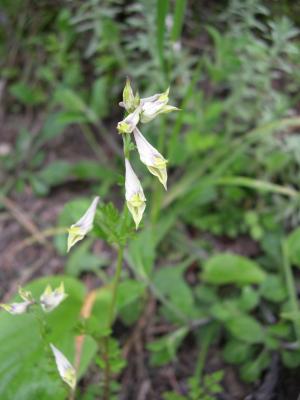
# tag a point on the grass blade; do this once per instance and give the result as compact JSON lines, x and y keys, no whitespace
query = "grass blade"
{"x":178,"y":19}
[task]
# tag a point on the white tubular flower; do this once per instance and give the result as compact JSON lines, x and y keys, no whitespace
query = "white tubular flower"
{"x":17,"y":308}
{"x":135,"y":198}
{"x":50,"y":299}
{"x":130,"y":122}
{"x":152,"y":106}
{"x":153,"y":160}
{"x":78,"y":231}
{"x":66,"y":370}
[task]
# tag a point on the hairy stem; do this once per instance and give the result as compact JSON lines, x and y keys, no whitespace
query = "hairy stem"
{"x":116,"y":281}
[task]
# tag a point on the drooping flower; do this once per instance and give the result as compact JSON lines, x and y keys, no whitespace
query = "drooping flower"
{"x":16,"y":308}
{"x":65,"y":368}
{"x":135,"y":198}
{"x":78,"y":230}
{"x":128,"y":124}
{"x":151,"y":157}
{"x":50,"y":299}
{"x":22,"y":307}
{"x":154,"y":105}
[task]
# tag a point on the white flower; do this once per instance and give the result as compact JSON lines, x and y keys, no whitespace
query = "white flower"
{"x":78,"y":231}
{"x":152,"y":106}
{"x":19,"y":308}
{"x":154,"y":161}
{"x":135,"y":198}
{"x":16,"y":308}
{"x":50,"y":299}
{"x":130,"y":122}
{"x":65,"y":369}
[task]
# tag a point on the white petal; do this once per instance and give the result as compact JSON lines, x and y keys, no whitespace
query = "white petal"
{"x":146,"y":151}
{"x":78,"y":230}
{"x":85,"y":223}
{"x":132,"y":183}
{"x":50,"y":299}
{"x":16,"y":308}
{"x":65,"y":368}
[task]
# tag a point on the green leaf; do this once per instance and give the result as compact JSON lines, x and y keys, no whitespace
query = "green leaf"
{"x":246,"y":329}
{"x":26,"y":94}
{"x":225,"y":268}
{"x":26,"y":371}
{"x":99,"y":100}
{"x":291,"y":359}
{"x":81,"y":259}
{"x":55,"y":173}
{"x":249,"y":299}
{"x":142,"y":253}
{"x":293,"y":247}
{"x":273,"y":289}
{"x":251,"y":371}
{"x":170,"y":282}
{"x":178,"y":19}
{"x":236,"y":352}
{"x":130,"y":300}
{"x":164,"y":350}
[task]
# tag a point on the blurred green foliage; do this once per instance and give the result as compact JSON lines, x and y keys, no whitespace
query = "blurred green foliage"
{"x":233,"y":153}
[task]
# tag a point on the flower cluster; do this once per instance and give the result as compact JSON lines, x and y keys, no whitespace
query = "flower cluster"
{"x":49,"y":300}
{"x":142,"y":110}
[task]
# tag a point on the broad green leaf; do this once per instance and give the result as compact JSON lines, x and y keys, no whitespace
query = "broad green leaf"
{"x":26,"y":372}
{"x":141,"y":252}
{"x":273,"y":289}
{"x":249,"y":299}
{"x":245,"y":328}
{"x":236,"y":352}
{"x":226,"y":268}
{"x":130,"y":300}
{"x":170,"y":282}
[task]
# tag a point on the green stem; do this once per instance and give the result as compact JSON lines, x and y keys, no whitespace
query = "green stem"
{"x":116,"y":281}
{"x":115,"y":286}
{"x":290,"y":284}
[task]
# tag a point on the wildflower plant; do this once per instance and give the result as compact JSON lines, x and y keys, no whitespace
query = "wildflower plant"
{"x":116,"y":228}
{"x":141,"y":110}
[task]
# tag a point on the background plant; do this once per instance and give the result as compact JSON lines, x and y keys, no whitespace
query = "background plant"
{"x":221,"y":255}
